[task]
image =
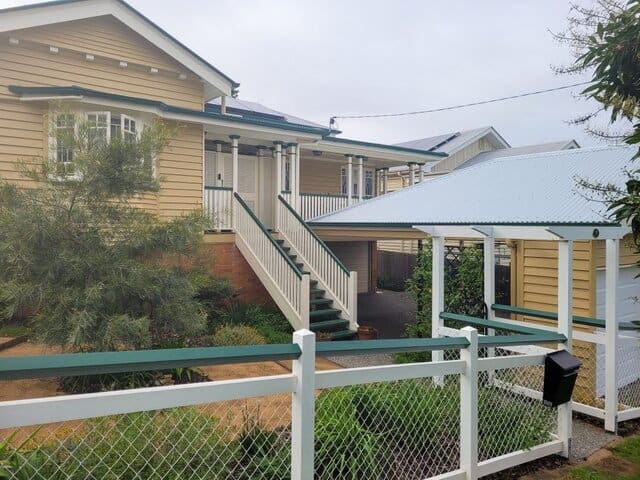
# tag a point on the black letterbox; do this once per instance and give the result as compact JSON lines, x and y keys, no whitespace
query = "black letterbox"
{"x":560,"y":374}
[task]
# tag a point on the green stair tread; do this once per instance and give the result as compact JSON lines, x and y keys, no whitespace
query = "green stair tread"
{"x":316,"y":291}
{"x":329,"y":324}
{"x":321,"y":301}
{"x":342,"y":335}
{"x":324,"y":312}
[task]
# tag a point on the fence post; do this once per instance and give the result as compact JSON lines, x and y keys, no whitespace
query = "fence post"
{"x":437,"y":296}
{"x":303,"y":407}
{"x":565,"y":326}
{"x":305,"y":298}
{"x":353,"y":300}
{"x":611,"y":336}
{"x":469,"y":406}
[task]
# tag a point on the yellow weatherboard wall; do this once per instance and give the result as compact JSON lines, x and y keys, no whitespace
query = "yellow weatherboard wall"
{"x":24,"y":125}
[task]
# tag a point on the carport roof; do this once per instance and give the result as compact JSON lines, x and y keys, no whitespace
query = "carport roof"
{"x":530,"y":190}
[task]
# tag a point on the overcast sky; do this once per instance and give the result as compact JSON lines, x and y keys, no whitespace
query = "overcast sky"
{"x":318,"y":58}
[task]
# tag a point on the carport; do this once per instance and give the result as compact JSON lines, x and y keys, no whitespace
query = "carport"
{"x":531,"y":197}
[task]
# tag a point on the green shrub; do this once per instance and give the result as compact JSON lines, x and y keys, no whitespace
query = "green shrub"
{"x":231,"y":335}
{"x":345,"y":447}
{"x":272,"y":325}
{"x":15,"y":331}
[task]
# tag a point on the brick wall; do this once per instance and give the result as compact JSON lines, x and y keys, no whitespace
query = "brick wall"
{"x":227,"y":261}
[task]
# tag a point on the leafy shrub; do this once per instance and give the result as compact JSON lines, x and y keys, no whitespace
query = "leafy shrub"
{"x":106,"y":382}
{"x":231,"y":335}
{"x":15,"y":331}
{"x":170,"y":444}
{"x":272,"y":325}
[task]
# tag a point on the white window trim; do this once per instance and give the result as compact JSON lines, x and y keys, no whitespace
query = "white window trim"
{"x":83,"y":113}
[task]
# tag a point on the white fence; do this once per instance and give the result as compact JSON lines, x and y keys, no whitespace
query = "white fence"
{"x":286,"y":284}
{"x":339,"y":284}
{"x":218,"y":206}
{"x":438,"y":420}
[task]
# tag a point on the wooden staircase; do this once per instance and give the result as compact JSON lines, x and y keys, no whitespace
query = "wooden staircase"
{"x":323,"y":317}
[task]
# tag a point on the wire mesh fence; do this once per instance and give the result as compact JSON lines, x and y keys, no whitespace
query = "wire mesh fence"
{"x":407,"y":429}
{"x":511,"y":416}
{"x":243,"y":439}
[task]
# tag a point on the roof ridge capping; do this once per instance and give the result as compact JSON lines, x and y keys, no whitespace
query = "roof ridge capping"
{"x":57,"y":11}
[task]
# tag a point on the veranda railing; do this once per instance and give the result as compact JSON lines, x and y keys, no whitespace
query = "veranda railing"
{"x":383,"y":422}
{"x":218,"y":206}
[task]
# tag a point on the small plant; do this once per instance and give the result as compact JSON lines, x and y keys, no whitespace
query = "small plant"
{"x":232,"y":335}
{"x":271,"y":324}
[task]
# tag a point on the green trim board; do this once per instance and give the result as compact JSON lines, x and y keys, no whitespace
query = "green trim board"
{"x":397,"y":148}
{"x":318,"y":223}
{"x":483,"y":322}
{"x":367,"y":347}
{"x":588,"y":321}
{"x":513,"y":340}
{"x":314,"y":235}
{"x":225,"y":189}
{"x":13,"y":368}
{"x":284,"y":255}
{"x":74,"y":91}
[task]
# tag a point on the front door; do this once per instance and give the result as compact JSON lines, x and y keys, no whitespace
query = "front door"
{"x":248,"y":181}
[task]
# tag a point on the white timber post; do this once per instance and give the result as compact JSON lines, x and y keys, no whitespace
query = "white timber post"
{"x":353,"y":300}
{"x":412,"y":173}
{"x":291,"y":148}
{"x":489,"y":255}
{"x":437,"y":295}
{"x":235,"y":173}
{"x":298,"y":174}
{"x":278,"y":154}
{"x":219,"y":183}
{"x":305,"y":299}
{"x":565,"y":321}
{"x":385,"y":178}
{"x":469,"y":406}
{"x":360,"y":177}
{"x":611,"y":335}
{"x":421,"y":167}
{"x":349,"y":179}
{"x":303,"y":407}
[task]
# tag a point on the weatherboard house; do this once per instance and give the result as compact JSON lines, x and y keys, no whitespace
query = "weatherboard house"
{"x":269,"y":181}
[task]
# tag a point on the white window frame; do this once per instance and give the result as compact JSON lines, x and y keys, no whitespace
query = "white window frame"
{"x":85,"y":115}
{"x":343,"y":181}
{"x":369,"y":182}
{"x":107,"y":126}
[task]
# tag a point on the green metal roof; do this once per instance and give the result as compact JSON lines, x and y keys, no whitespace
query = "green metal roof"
{"x":137,"y":13}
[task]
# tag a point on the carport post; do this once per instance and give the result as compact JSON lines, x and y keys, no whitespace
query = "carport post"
{"x":437,"y":296}
{"x":611,"y":336}
{"x":489,"y":255}
{"x":565,"y":319}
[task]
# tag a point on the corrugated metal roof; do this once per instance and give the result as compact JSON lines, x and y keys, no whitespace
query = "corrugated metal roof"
{"x":451,"y":142}
{"x":529,"y":189}
{"x":516,"y":151}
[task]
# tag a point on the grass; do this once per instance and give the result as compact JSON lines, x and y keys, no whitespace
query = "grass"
{"x":624,"y":464}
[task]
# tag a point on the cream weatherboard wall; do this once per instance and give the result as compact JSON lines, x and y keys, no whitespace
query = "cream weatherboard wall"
{"x":449,"y":163}
{"x":356,"y":257}
{"x":318,"y":176}
{"x":24,"y":126}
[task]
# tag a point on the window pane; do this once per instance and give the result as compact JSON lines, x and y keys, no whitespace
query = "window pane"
{"x":64,"y":137}
{"x":98,"y":128}
{"x":116,"y":130}
{"x":343,"y":181}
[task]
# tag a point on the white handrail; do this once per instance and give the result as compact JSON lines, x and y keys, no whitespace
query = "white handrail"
{"x":284,"y":281}
{"x":314,"y":205}
{"x":338,"y":282}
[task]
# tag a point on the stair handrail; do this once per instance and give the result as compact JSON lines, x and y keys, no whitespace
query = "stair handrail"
{"x":314,"y":235}
{"x":340,"y":284}
{"x":286,"y":283}
{"x":269,"y":236}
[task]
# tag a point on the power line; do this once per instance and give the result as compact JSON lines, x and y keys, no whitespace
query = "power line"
{"x":454,"y":107}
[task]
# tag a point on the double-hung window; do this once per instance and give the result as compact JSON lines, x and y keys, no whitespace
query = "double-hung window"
{"x":63,"y":139}
{"x":98,"y":130}
{"x":368,"y":183}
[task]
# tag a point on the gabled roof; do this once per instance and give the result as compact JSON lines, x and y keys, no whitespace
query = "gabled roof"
{"x":39,"y":14}
{"x":452,"y":142}
{"x":517,"y":151}
{"x":535,"y":189}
